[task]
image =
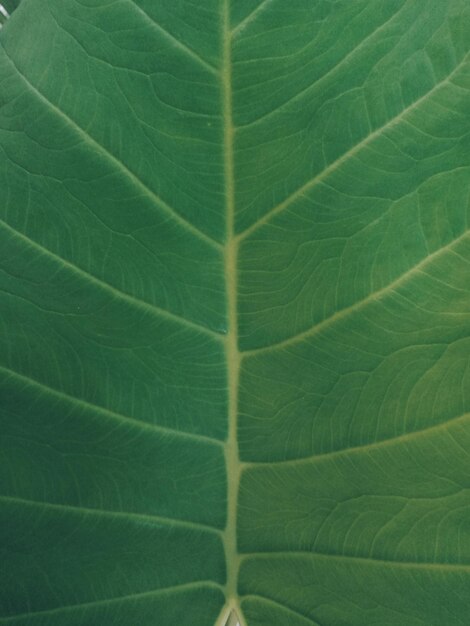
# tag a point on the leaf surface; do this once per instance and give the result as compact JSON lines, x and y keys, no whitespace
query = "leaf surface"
{"x":234,"y":365}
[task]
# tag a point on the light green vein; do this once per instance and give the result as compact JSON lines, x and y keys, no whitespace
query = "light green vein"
{"x":278,"y":605}
{"x":357,"y":306}
{"x":366,"y":40}
{"x":113,"y":291}
{"x":358,"y":559}
{"x":192,"y":54}
{"x":107,"y":413}
{"x":352,"y":152}
{"x":87,"y":139}
{"x":384,"y":443}
{"x":4,"y":15}
{"x":232,"y":458}
{"x":110,"y":601}
{"x":122,"y":515}
{"x":250,"y":18}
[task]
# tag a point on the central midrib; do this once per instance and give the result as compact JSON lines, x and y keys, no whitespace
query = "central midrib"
{"x":232,"y":353}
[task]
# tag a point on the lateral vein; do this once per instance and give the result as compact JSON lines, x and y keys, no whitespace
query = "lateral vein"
{"x":286,"y":608}
{"x":114,"y":291}
{"x":124,"y":419}
{"x":128,"y":515}
{"x":129,"y":174}
{"x":357,"y":306}
{"x":107,"y":601}
{"x":332,"y":167}
{"x":176,"y":42}
{"x":360,"y":559}
{"x":367,"y":447}
{"x":251,"y":17}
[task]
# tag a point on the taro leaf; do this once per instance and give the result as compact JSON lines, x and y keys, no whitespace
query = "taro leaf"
{"x":235,"y":272}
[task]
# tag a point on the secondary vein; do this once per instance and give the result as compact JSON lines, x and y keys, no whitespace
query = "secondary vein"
{"x":8,"y":372}
{"x":373,"y":297}
{"x":131,"y":597}
{"x":352,"y":152}
{"x":148,"y":307}
{"x":88,"y":140}
{"x":190,"y":52}
{"x":132,"y":516}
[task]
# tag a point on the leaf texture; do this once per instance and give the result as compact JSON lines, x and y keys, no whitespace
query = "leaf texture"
{"x":234,"y":274}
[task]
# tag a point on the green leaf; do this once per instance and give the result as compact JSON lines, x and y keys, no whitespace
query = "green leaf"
{"x":234,"y":274}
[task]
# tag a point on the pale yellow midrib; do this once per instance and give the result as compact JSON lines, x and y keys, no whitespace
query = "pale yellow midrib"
{"x":232,"y":353}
